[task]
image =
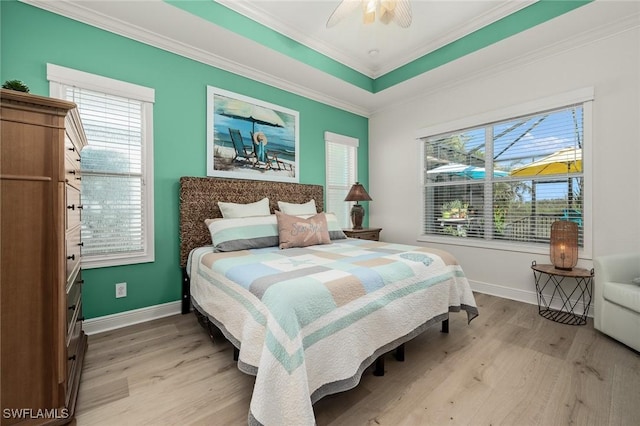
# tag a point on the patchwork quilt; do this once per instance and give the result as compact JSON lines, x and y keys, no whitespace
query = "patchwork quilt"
{"x":308,"y":321}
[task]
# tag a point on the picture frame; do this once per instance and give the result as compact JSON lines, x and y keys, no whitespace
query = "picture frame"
{"x":251,"y":139}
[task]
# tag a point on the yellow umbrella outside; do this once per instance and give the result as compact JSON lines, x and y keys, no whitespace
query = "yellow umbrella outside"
{"x":567,"y":160}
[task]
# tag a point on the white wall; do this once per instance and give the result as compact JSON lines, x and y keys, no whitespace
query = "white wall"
{"x":610,"y":64}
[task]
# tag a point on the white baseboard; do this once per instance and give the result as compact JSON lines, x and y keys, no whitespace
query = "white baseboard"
{"x":526,"y":296}
{"x":136,"y":316}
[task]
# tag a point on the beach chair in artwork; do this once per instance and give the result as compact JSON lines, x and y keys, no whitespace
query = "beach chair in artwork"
{"x":241,"y":150}
{"x":264,"y":156}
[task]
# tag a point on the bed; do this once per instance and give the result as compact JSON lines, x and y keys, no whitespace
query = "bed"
{"x":307,"y":321}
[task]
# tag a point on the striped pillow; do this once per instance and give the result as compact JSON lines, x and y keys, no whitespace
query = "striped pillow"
{"x":243,"y":233}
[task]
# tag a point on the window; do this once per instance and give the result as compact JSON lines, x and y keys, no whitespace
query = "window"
{"x":342,"y":171}
{"x":117,"y":166}
{"x":507,"y":180}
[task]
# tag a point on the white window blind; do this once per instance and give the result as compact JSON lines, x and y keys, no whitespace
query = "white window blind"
{"x":341,"y":173}
{"x":112,"y":173}
{"x":507,"y":180}
{"x":117,"y":192}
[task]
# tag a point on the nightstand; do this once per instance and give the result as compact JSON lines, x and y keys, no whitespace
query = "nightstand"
{"x":372,"y":234}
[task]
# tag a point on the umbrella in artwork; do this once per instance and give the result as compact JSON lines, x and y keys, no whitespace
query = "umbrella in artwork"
{"x":236,"y":108}
{"x":255,"y":114}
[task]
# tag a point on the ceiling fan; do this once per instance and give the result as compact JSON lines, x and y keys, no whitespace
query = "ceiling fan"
{"x":398,"y":11}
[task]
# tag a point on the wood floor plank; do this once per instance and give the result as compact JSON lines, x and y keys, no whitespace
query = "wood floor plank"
{"x":509,"y":366}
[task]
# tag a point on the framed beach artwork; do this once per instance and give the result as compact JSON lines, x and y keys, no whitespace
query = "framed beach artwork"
{"x":251,"y":139}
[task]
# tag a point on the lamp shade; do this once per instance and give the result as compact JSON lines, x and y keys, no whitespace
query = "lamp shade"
{"x":564,"y":244}
{"x":357,"y":193}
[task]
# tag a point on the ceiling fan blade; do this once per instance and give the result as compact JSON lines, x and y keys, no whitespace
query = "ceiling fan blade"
{"x":344,"y":8}
{"x":402,"y":13}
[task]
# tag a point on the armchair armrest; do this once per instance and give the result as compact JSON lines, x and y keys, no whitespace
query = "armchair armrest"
{"x":620,"y":268}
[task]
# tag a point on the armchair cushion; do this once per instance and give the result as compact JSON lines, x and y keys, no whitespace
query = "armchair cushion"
{"x":627,"y":295}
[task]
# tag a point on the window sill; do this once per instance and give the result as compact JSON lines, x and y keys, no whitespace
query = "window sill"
{"x":532,"y":248}
{"x":120,"y":260}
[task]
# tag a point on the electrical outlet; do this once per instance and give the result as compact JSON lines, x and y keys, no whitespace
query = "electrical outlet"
{"x":121,"y":290}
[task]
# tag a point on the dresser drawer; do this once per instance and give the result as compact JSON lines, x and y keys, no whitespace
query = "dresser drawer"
{"x":72,"y":168}
{"x":73,"y":352}
{"x":74,"y":209}
{"x":73,"y":253}
{"x":74,"y":303}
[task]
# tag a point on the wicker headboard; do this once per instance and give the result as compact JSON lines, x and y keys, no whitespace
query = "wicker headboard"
{"x":199,"y":198}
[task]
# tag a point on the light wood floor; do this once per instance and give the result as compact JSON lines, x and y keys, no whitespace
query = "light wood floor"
{"x":508,"y":367}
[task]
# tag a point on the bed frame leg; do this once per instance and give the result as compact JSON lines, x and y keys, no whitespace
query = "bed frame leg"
{"x":445,"y":326}
{"x":236,"y":353}
{"x":186,"y":292}
{"x":379,"y":368}
{"x":400,"y":353}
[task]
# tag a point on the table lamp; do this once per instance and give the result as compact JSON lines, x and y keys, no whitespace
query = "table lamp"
{"x":357,"y":193}
{"x":564,"y":244}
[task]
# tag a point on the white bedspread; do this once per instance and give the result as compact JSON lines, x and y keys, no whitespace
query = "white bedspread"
{"x":308,"y":321}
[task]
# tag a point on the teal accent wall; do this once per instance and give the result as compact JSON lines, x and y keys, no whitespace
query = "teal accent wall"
{"x":240,"y":24}
{"x":30,"y":38}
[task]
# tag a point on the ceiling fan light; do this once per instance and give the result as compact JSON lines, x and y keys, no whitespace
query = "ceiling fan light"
{"x":369,"y":17}
{"x":369,"y":7}
{"x":386,"y":16}
{"x":387,"y":5}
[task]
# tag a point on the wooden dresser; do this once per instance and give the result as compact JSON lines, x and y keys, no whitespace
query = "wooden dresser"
{"x":42,"y":342}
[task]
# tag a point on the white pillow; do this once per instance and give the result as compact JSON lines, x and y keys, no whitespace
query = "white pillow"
{"x":293,"y":209}
{"x":237,"y":210}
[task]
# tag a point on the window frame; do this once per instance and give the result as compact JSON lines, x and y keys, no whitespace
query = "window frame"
{"x":585,"y":96}
{"x":59,"y":77}
{"x":348,"y":141}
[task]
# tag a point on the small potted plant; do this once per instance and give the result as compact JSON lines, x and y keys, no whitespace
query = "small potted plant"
{"x":16,"y":85}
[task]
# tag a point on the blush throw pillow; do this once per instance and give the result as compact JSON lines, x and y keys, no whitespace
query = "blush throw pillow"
{"x":333,"y":226}
{"x":236,"y":210}
{"x":298,"y":232}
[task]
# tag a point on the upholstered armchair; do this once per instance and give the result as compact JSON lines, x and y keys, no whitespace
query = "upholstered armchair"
{"x":617,"y":298}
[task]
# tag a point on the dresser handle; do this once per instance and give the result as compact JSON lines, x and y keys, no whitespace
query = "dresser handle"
{"x":80,"y":319}
{"x":80,"y":207}
{"x":81,"y":244}
{"x":72,"y":257}
{"x":73,"y":172}
{"x":78,"y":160}
{"x":73,"y":148}
{"x":80,"y":281}
{"x":72,"y":207}
{"x":72,"y":307}
{"x":72,"y":358}
{"x":79,"y":178}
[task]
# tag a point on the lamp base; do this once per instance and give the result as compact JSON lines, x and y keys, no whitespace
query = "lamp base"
{"x":357,"y":214}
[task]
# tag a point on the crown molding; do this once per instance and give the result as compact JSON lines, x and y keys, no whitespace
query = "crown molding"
{"x":266,"y":18}
{"x":579,"y":40}
{"x":495,"y":14}
{"x":269,"y":20}
{"x":77,"y":12}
